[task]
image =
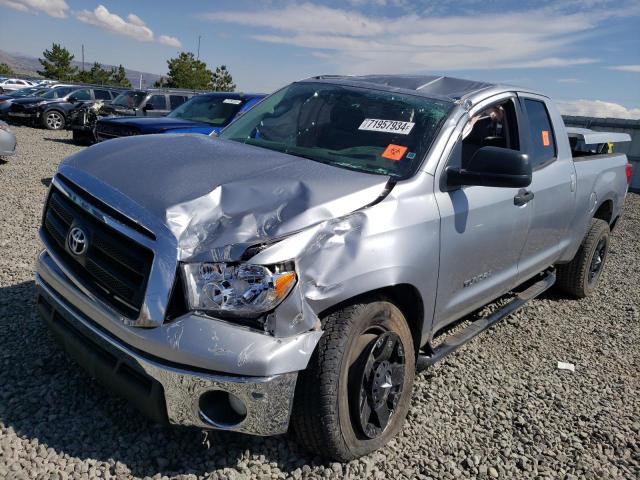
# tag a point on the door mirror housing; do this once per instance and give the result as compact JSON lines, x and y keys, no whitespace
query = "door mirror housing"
{"x":72,"y":99}
{"x":148,"y":106}
{"x":492,"y":167}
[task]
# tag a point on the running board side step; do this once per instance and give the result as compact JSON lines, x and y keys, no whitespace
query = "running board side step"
{"x":456,"y":340}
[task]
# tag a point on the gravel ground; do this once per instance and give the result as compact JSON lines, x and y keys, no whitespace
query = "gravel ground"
{"x":498,"y":408}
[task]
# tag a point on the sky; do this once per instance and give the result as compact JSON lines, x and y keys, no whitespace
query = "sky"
{"x":583,"y":53}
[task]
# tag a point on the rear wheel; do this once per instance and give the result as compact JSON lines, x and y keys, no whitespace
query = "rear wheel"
{"x":53,"y":120}
{"x":355,"y":393}
{"x":580,"y":277}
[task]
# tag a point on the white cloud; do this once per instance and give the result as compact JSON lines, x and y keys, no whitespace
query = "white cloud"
{"x":169,"y":41}
{"x":54,"y":8}
{"x":597,"y":108}
{"x":553,"y":62}
{"x":626,"y":68}
{"x":133,"y":27}
{"x":135,"y":20}
{"x":358,"y":43}
{"x":101,"y":17}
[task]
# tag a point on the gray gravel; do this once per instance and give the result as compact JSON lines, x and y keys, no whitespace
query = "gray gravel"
{"x":498,"y":408}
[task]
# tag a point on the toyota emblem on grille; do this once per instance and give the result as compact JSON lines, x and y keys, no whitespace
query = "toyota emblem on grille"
{"x":77,"y":241}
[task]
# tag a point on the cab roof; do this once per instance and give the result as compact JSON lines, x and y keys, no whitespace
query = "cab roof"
{"x":433,"y":86}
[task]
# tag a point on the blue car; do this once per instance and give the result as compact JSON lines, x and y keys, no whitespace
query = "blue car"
{"x":206,"y":114}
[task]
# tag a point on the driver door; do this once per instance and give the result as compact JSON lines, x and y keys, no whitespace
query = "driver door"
{"x":482,"y":231}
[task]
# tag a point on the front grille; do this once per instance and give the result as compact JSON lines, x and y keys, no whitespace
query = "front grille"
{"x":114,"y":267}
{"x":111,"y":130}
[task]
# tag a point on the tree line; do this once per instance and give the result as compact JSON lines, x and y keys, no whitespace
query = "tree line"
{"x":185,"y":71}
{"x":57,"y":64}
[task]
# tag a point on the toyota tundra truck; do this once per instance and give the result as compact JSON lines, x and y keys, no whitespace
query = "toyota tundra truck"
{"x":296,"y":272}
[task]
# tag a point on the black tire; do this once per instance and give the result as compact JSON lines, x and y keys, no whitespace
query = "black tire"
{"x":53,"y":120}
{"x":578,"y":277}
{"x":326,"y":415}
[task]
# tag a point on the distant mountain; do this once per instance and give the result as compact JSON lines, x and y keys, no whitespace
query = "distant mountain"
{"x":27,"y":65}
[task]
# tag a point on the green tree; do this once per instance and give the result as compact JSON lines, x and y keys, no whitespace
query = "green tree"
{"x":119,"y":77}
{"x":222,"y":80}
{"x":162,"y":82}
{"x":6,"y":70}
{"x":97,"y":75}
{"x":56,"y":64}
{"x":187,"y":72}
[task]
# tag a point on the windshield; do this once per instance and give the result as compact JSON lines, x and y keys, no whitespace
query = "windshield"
{"x":214,"y":110}
{"x":129,"y":99}
{"x":373,"y":131}
{"x":59,"y":92}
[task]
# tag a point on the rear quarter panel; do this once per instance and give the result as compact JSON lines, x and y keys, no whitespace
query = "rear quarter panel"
{"x":599,"y":179}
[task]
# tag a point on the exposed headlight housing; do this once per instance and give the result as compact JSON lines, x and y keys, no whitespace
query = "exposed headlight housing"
{"x":236,"y":289}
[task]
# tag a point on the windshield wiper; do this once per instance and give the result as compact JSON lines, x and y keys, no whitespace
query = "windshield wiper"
{"x":350,"y":155}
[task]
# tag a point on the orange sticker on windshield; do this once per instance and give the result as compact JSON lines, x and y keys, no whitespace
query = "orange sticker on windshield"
{"x":394,"y":152}
{"x":545,"y":138}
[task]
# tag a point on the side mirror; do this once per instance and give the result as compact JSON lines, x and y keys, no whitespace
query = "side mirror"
{"x":148,"y":106}
{"x":492,"y":167}
{"x":72,"y":99}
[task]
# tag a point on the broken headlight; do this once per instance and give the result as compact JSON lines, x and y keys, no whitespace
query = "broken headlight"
{"x":236,"y":289}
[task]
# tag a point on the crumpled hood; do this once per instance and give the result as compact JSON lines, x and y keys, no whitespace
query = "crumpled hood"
{"x":213,"y":193}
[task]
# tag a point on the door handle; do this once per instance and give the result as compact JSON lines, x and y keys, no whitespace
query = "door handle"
{"x":523,"y":197}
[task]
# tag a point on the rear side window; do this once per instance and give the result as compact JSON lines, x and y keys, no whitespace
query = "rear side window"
{"x":82,"y":95}
{"x":158,"y":102}
{"x":102,"y":94}
{"x":543,"y":141}
{"x":177,"y":100}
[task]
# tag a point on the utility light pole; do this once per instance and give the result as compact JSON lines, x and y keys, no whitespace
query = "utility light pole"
{"x":198,"y":56}
{"x":83,"y":57}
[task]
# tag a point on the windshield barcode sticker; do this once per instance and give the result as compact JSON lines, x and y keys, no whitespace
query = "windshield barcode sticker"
{"x":387,"y":126}
{"x":232,"y":101}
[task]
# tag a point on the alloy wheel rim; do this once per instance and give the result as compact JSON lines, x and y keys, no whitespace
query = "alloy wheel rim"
{"x":379,"y":380}
{"x":597,"y":260}
{"x":54,"y":121}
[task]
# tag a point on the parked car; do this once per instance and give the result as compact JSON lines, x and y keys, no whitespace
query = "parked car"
{"x":153,"y":102}
{"x":51,"y":110}
{"x":206,"y":113}
{"x":8,"y":140}
{"x":307,"y":261}
{"x":11,"y":84}
{"x":31,"y":93}
{"x":7,"y":99}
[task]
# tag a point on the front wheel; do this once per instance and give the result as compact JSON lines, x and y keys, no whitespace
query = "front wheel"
{"x":355,"y":393}
{"x":53,"y":120}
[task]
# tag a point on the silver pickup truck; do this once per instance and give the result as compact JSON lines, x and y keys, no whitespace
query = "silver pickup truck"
{"x":299,"y":269}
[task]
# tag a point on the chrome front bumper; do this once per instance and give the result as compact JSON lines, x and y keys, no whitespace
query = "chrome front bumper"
{"x":165,"y":391}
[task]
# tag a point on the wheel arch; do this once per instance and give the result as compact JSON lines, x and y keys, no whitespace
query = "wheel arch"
{"x":404,"y":296}
{"x":605,"y":211}
{"x":54,"y":109}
